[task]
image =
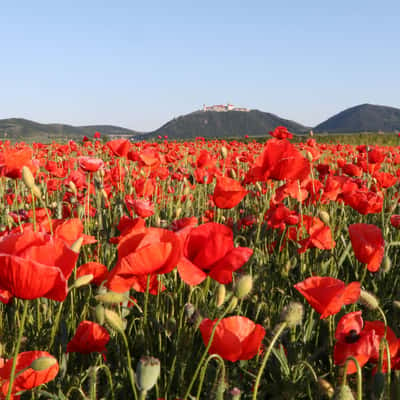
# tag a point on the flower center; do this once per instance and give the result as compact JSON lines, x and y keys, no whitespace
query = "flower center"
{"x":352,"y":336}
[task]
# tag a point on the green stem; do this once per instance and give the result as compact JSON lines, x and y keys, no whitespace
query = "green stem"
{"x":265,"y":359}
{"x":359,"y":375}
{"x":16,"y":352}
{"x":130,"y":370}
{"x":204,"y":369}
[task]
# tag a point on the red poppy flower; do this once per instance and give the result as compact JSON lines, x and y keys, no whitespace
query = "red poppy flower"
{"x":27,"y":257}
{"x":26,"y":378}
{"x":378,"y":327}
{"x":236,"y":338}
{"x":14,"y":160}
{"x":89,"y":338}
{"x":99,"y":272}
{"x":279,"y":160}
{"x":280,"y":132}
{"x":368,"y":245}
{"x":119,"y":147}
{"x":97,"y":135}
{"x":354,"y":341}
{"x":143,"y":208}
{"x":90,"y":164}
{"x":209,"y":250}
{"x":228,"y":192}
{"x":141,"y":252}
{"x":328,"y":295}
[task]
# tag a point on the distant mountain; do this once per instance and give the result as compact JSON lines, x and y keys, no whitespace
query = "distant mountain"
{"x":362,"y":118}
{"x":23,"y":128}
{"x":225,"y":124}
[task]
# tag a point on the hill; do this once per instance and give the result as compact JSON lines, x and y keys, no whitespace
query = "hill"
{"x":362,"y":118}
{"x":26,"y":129}
{"x":225,"y":124}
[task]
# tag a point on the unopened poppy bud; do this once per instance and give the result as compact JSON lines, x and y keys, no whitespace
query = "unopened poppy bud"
{"x":104,"y":194}
{"x":233,"y":176}
{"x":36,"y":191}
{"x":43,"y":363}
{"x":147,"y":373}
{"x":292,"y":314}
{"x":232,"y":305}
{"x":189,"y":310}
{"x":114,"y":320}
{"x":27,"y":177}
{"x":221,"y":293}
{"x":112,"y":297}
{"x":82,"y":281}
{"x":76,"y":246}
{"x":258,"y":186}
{"x":235,"y":393}
{"x":309,"y":156}
{"x":396,"y":304}
{"x":73,"y":188}
{"x":378,"y":384}
{"x":386,"y":264}
{"x":368,"y":300}
{"x":243,"y":286}
{"x":186,"y":191}
{"x":99,"y":312}
{"x":325,"y":388}
{"x":178,"y":212}
{"x":224,"y":152}
{"x":343,"y":393}
{"x":324,"y":217}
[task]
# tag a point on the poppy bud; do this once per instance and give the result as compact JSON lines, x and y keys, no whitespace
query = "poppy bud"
{"x":243,"y":286}
{"x":36,"y":191}
{"x":99,"y":312}
{"x":114,"y":320}
{"x":396,"y":304}
{"x":309,"y":156}
{"x":343,"y":393}
{"x":221,"y":292}
{"x":378,"y":384}
{"x":386,"y":264}
{"x":325,"y":388}
{"x":112,"y":297}
{"x":82,"y":281}
{"x":324,"y":217}
{"x":27,"y":177}
{"x":147,"y":373}
{"x":43,"y":363}
{"x":224,"y":152}
{"x":189,"y":310}
{"x":104,"y":194}
{"x":368,"y":300}
{"x":73,"y":188}
{"x":76,"y":246}
{"x":232,"y":305}
{"x":235,"y":393}
{"x":178,"y":212}
{"x":292,"y":314}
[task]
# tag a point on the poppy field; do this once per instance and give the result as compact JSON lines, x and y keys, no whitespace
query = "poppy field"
{"x":206,"y":269}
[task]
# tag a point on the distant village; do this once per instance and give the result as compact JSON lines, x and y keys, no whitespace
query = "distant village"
{"x":223,"y":108}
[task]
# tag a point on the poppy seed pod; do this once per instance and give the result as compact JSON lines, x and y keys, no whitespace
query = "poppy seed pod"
{"x":243,"y":286}
{"x":235,"y":393}
{"x":43,"y":363}
{"x":147,"y":373}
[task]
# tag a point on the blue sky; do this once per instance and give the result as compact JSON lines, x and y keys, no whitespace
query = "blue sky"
{"x":138,"y":64}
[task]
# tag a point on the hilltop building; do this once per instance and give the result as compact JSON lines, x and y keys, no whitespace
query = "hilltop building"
{"x":223,"y":108}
